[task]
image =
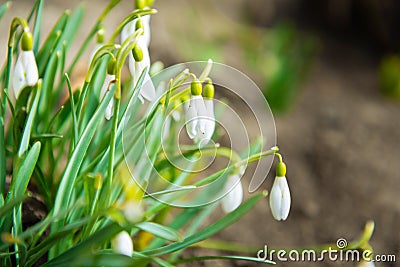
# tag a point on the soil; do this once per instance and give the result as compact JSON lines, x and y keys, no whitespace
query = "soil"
{"x":341,"y":142}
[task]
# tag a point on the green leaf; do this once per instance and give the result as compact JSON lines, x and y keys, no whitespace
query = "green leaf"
{"x":162,"y":263}
{"x":68,"y":179}
{"x":51,"y":42}
{"x":159,"y":230}
{"x":28,"y":126}
{"x":104,"y":258}
{"x":3,"y":8}
{"x":38,"y":23}
{"x":209,"y":230}
{"x":48,"y":85}
{"x":85,"y":247}
{"x":21,"y":180}
{"x":11,"y":204}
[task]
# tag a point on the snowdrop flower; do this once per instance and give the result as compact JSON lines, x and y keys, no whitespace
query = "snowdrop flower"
{"x":234,"y":198}
{"x":25,"y":70}
{"x":196,"y":114}
{"x":279,"y":200}
{"x":122,"y":244}
{"x":209,"y":103}
{"x":105,"y":89}
{"x":130,"y":28}
{"x":139,"y":59}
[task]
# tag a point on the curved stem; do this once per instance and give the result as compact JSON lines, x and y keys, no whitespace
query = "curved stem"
{"x":129,"y":18}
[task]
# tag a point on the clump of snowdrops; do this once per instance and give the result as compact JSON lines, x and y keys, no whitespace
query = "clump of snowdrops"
{"x":68,"y":153}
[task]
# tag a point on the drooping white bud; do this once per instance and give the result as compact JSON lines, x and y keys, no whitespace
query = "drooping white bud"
{"x":233,"y":199}
{"x":280,"y":200}
{"x":25,"y":71}
{"x":122,"y":244}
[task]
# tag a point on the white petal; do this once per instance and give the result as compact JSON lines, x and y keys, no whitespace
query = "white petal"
{"x":234,"y":198}
{"x":210,"y":121}
{"x":128,"y":30}
{"x":286,"y":199}
{"x":280,"y":199}
{"x":146,"y":24}
{"x":122,"y":244}
{"x":148,"y":91}
{"x":19,"y":81}
{"x":131,"y":64}
{"x":201,"y":114}
{"x":110,"y":109}
{"x":191,"y":119}
{"x":275,"y":200}
{"x":106,"y":84}
{"x":31,"y":70}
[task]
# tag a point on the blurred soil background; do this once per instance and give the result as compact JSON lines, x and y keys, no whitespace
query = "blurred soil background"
{"x":331,"y":74}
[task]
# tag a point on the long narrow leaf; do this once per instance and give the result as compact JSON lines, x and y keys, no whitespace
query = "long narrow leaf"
{"x":159,"y":230}
{"x":209,"y":230}
{"x":74,"y":163}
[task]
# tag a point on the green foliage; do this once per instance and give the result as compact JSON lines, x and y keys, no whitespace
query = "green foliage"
{"x":73,"y":158}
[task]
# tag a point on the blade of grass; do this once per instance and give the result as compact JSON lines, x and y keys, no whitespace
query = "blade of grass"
{"x":209,"y":230}
{"x":74,"y":120}
{"x":74,"y":163}
{"x":29,"y":123}
{"x":159,"y":230}
{"x":38,"y":23}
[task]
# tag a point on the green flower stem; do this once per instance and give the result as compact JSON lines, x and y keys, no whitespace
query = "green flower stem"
{"x":16,"y":22}
{"x":135,"y":14}
{"x":103,"y":51}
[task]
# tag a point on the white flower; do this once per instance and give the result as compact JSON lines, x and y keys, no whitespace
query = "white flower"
{"x":196,"y":118}
{"x":147,"y":90}
{"x":234,"y":198}
{"x":133,"y":211}
{"x":25,"y":71}
{"x":106,"y":90}
{"x":122,"y":244}
{"x":279,"y":199}
{"x":210,"y":120}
